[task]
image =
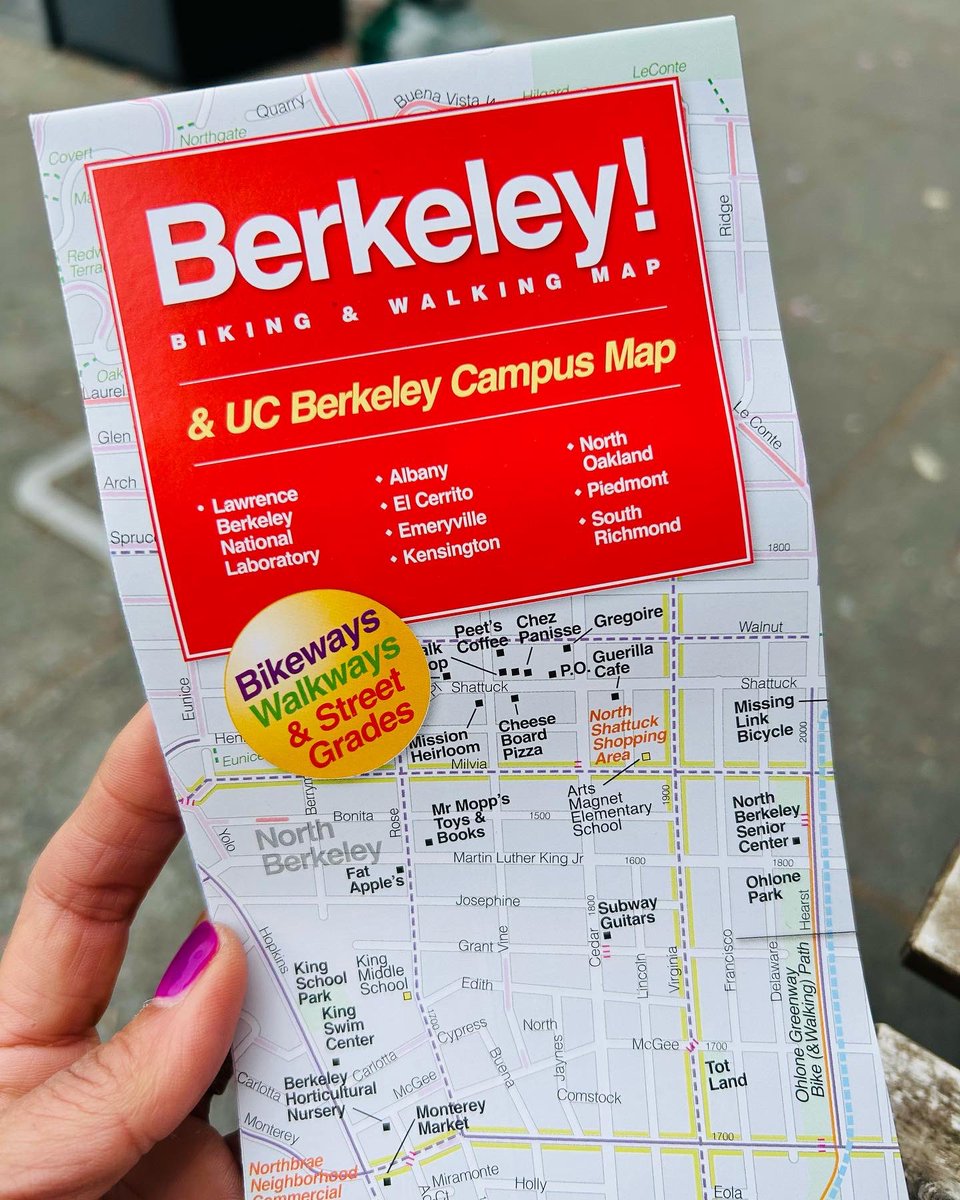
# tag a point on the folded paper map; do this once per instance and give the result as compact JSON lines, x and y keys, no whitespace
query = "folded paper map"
{"x":457,"y":503}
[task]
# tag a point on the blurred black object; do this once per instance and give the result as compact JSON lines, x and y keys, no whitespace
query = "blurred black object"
{"x":192,"y":41}
{"x":420,"y":28}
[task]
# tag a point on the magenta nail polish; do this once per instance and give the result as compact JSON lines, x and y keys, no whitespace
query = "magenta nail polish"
{"x":188,"y":962}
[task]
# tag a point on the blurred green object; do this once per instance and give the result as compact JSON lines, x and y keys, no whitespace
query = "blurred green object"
{"x":419,"y":28}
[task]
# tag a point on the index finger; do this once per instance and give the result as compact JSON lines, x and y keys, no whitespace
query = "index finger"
{"x":69,"y":940}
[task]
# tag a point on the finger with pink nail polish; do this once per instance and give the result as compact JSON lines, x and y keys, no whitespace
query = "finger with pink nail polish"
{"x":188,"y":963}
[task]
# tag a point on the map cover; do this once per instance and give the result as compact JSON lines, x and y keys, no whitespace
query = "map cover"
{"x":458,"y":507}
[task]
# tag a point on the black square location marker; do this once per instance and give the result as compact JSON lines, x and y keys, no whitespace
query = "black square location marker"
{"x":335,"y":1061}
{"x":446,"y":675}
{"x":387,"y":1182}
{"x":606,"y":937}
{"x":567,"y":649}
{"x":614,"y":695}
{"x":400,"y":870}
{"x":478,"y":704}
{"x":386,"y":1127}
{"x":514,"y":670}
{"x":501,"y":670}
{"x":527,"y":672}
{"x":428,"y":842}
{"x":796,"y":841}
{"x":551,"y":674}
{"x":500,"y":653}
{"x":515,"y":699}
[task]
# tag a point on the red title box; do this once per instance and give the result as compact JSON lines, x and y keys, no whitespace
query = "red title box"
{"x":452,"y":361}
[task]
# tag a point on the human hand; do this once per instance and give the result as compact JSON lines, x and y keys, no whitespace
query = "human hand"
{"x":81,"y":1119}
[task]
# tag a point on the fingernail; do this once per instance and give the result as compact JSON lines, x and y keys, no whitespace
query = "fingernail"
{"x":188,"y":962}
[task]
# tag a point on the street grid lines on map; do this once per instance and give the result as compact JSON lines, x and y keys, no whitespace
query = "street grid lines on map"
{"x":591,"y":934}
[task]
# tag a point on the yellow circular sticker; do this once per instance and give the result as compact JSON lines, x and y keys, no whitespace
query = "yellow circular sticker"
{"x":327,"y":684}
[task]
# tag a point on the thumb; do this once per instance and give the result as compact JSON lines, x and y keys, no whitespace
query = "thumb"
{"x":87,"y":1126}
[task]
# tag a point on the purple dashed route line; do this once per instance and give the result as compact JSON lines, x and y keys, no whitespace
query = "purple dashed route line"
{"x":599,"y":773}
{"x":189,"y":798}
{"x":218,"y":779}
{"x":270,"y":777}
{"x":640,"y":637}
{"x":683,"y":911}
{"x":213,"y":781}
{"x":365,"y":1171}
{"x":414,"y":947}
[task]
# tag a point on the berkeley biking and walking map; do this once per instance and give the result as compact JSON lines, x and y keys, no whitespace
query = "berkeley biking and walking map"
{"x":589,"y":935}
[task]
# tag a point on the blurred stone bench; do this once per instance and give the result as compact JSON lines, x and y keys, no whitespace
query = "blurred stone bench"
{"x":925,"y":1090}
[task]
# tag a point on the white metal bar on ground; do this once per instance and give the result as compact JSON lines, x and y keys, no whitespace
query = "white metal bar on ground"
{"x":35,"y":494}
